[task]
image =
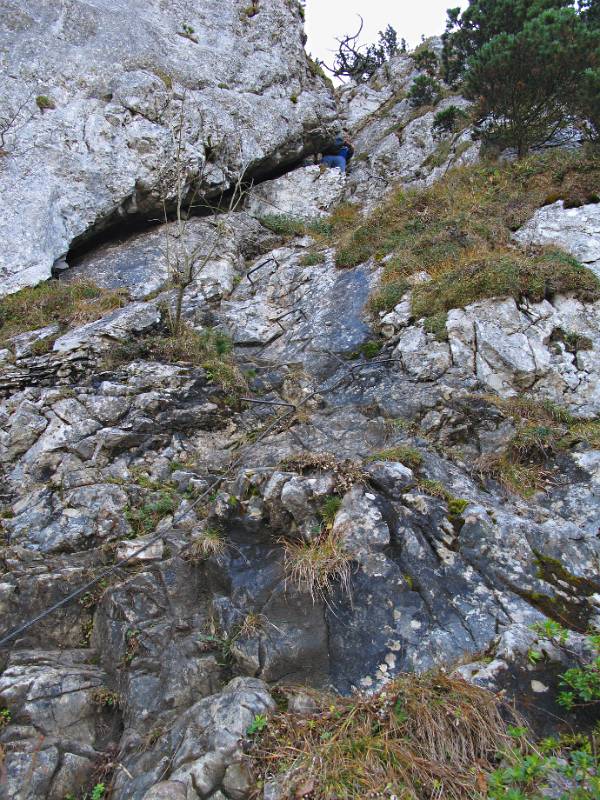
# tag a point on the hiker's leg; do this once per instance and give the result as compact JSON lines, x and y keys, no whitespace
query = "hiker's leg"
{"x":335,"y":161}
{"x":329,"y":161}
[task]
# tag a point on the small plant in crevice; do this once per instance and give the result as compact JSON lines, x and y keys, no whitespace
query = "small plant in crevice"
{"x":144,"y":518}
{"x":105,"y":698}
{"x":329,"y":508}
{"x":44,"y":103}
{"x":5,"y":717}
{"x":211,"y":543}
{"x":258,"y":724}
{"x":319,"y":566}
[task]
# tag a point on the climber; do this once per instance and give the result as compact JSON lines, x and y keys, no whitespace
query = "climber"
{"x":339,"y":154}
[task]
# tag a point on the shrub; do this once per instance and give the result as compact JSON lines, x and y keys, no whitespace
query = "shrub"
{"x":425,"y":59}
{"x":449,"y":120}
{"x":424,"y":91}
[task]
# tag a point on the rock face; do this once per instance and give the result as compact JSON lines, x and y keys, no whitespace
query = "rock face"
{"x":396,"y":143}
{"x":91,"y":141}
{"x":576,"y":230}
{"x":188,"y":501}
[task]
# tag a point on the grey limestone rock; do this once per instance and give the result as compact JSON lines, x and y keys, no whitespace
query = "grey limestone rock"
{"x":95,"y":107}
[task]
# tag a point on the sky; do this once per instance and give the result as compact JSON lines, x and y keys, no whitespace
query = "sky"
{"x":327,"y":20}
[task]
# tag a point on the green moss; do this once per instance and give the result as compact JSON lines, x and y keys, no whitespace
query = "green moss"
{"x":552,"y":571}
{"x":294,"y":98}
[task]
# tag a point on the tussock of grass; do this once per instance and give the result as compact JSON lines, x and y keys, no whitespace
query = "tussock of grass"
{"x":409,"y":456}
{"x":422,"y":737}
{"x":542,"y":430}
{"x":209,"y":349}
{"x":210,"y":542}
{"x":68,"y":304}
{"x":459,"y":230}
{"x":318,"y":566}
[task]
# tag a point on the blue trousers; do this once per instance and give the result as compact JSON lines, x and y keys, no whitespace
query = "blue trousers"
{"x":335,"y":161}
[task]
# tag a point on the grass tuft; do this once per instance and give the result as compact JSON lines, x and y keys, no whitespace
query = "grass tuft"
{"x":68,"y":304}
{"x":422,"y":737}
{"x":409,"y":456}
{"x":318,"y":566}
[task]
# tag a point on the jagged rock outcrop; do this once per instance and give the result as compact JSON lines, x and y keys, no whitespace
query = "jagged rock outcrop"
{"x":92,"y":97}
{"x":577,"y":230}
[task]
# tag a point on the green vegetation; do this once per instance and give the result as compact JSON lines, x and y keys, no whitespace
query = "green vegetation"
{"x":570,"y":762}
{"x":418,"y":738}
{"x":542,"y":430}
{"x":318,"y":566}
{"x":424,"y":91}
{"x":258,"y":725}
{"x":329,"y":508}
{"x":68,"y":304}
{"x":98,"y":792}
{"x":311,"y":259}
{"x":459,"y":231}
{"x":5,"y":717}
{"x":449,"y":120}
{"x":144,"y":518}
{"x":409,"y":456}
{"x":209,"y":348}
{"x":44,"y":103}
{"x":531,"y":67}
{"x":425,"y":59}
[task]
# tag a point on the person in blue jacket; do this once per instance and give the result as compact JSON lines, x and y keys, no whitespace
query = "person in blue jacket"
{"x":339,"y":154}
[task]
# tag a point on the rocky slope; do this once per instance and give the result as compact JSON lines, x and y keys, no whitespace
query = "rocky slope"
{"x":187,"y":503}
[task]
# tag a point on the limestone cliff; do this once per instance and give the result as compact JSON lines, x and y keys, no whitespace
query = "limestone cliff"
{"x":171,"y":481}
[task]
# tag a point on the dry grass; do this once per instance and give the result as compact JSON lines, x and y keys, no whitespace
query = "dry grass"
{"x":459,"y":230}
{"x":210,"y":543}
{"x":346,"y":473}
{"x":427,"y":737}
{"x":55,"y":302}
{"x":318,"y":566}
{"x":543,"y":429}
{"x":209,"y":349}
